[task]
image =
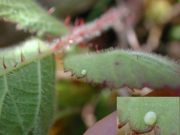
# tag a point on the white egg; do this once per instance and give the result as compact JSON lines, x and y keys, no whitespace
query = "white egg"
{"x":84,"y":72}
{"x":150,"y":118}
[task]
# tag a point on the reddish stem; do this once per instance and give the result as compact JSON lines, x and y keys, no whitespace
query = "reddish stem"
{"x":91,"y":30}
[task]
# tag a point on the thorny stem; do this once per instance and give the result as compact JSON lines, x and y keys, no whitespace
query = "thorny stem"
{"x":91,"y":30}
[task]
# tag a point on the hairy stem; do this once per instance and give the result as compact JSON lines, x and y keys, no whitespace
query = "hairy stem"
{"x":91,"y":30}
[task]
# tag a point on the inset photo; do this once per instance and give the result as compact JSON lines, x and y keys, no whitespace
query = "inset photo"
{"x":148,"y":115}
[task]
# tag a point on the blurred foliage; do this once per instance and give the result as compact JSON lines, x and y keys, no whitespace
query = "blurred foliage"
{"x":175,"y":32}
{"x":106,"y":103}
{"x":71,"y":124}
{"x":157,"y":10}
{"x":106,"y":126}
{"x":76,"y":93}
{"x":98,"y":9}
{"x":72,"y":96}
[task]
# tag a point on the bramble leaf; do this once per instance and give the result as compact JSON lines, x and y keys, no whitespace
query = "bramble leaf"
{"x":133,"y":110}
{"x":29,"y":15}
{"x":26,"y":89}
{"x":125,"y":68}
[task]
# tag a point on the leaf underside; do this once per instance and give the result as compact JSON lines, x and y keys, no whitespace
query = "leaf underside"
{"x":26,"y":90}
{"x":30,"y":16}
{"x":134,"y":109}
{"x":125,"y":68}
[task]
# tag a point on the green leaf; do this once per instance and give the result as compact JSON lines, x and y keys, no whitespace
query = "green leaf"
{"x":26,"y":89}
{"x":166,"y":109}
{"x":29,"y":15}
{"x":119,"y":68}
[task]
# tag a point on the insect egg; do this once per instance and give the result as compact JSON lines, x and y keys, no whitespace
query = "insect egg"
{"x":150,"y":118}
{"x":83,"y":72}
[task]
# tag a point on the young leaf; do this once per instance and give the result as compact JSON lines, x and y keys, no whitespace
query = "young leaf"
{"x":29,"y":15}
{"x":119,"y":68}
{"x":26,"y":89}
{"x":140,"y":112}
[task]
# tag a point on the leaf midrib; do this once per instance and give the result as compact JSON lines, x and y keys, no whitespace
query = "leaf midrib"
{"x":39,"y":88}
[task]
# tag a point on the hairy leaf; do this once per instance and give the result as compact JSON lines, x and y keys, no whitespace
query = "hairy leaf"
{"x":26,"y":89}
{"x":125,"y":68}
{"x":29,"y":15}
{"x":166,"y":109}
